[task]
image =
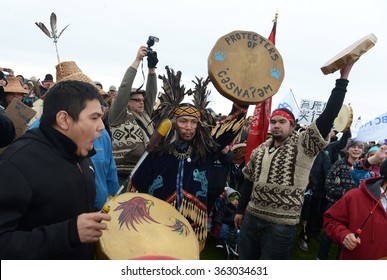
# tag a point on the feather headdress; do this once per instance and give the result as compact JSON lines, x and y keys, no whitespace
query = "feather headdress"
{"x":171,"y":105}
{"x":53,"y":34}
{"x":172,"y":96}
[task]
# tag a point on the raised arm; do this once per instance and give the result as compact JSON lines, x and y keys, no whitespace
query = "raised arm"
{"x":325,"y":121}
{"x":118,"y":108}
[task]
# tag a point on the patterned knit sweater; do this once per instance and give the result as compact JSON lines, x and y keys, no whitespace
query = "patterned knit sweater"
{"x":339,"y":180}
{"x":131,"y":132}
{"x":280,"y":177}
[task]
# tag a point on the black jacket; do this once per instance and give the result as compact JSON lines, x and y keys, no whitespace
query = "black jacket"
{"x":44,"y":187}
{"x":7,"y":130}
{"x":218,"y":172}
{"x":225,"y":213}
{"x":333,"y":150}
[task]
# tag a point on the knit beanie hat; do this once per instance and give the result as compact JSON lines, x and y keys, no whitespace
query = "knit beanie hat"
{"x":372,"y":149}
{"x":231,"y":193}
{"x":48,"y":78}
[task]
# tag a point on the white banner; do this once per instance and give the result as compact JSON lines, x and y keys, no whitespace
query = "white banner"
{"x":310,"y":110}
{"x":374,"y":130}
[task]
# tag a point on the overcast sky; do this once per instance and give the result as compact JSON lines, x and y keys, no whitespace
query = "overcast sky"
{"x":103,"y":38}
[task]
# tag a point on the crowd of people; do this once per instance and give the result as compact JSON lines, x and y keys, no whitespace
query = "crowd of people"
{"x":84,"y":143}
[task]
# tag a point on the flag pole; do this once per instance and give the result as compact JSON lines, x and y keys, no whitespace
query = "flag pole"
{"x":294,"y":99}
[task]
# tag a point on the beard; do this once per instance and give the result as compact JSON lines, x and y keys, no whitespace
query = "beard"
{"x":278,"y":138}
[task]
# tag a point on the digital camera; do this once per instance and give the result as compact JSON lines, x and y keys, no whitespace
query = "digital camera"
{"x":151,"y":41}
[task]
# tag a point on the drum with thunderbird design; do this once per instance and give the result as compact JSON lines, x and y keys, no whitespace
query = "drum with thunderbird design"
{"x":145,"y":227}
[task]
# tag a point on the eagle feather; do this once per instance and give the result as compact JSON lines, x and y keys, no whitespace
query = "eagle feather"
{"x":53,"y":24}
{"x":43,"y":28}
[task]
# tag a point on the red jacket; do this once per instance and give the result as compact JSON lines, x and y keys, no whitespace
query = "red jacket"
{"x":349,"y":213}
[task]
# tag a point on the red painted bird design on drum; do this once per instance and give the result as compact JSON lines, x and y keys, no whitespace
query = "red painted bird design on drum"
{"x":135,"y":211}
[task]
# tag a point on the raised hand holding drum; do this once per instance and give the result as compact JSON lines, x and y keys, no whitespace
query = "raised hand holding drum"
{"x":351,"y":53}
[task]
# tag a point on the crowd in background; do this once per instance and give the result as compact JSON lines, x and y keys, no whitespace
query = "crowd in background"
{"x":342,"y":165}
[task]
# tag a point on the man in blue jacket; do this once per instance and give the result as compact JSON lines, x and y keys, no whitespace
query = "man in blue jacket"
{"x":106,"y":179}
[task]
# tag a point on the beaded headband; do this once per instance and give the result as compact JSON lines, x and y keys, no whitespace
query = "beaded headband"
{"x":187,"y":110}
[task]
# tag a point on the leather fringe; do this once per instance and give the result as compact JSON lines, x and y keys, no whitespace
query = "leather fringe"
{"x":198,"y":218}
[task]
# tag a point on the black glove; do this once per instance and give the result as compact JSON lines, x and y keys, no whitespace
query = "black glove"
{"x":152,"y":59}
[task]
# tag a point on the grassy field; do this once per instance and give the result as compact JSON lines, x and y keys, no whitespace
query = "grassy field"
{"x":212,"y":253}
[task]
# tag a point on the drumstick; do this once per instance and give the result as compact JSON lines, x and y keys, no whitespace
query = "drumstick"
{"x":160,"y":133}
{"x":106,"y":207}
{"x":360,"y":229}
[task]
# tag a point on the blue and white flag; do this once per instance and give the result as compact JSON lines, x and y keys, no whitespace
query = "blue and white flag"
{"x":290,"y":103}
{"x":374,"y":130}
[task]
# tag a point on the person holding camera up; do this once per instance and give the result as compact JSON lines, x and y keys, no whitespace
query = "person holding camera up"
{"x":129,"y":114}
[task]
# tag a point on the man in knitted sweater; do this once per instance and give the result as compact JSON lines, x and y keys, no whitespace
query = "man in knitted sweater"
{"x":130,"y":116}
{"x":276,"y":179}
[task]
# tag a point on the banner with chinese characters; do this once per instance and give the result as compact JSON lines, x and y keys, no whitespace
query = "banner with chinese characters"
{"x":310,"y":110}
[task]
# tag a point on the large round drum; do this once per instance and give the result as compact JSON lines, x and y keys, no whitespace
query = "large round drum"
{"x":245,"y":67}
{"x":145,"y":227}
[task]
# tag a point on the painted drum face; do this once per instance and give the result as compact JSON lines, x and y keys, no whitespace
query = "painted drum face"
{"x":145,"y":227}
{"x":245,"y":67}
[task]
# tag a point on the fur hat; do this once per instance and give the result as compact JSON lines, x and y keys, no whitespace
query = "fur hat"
{"x":14,"y":86}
